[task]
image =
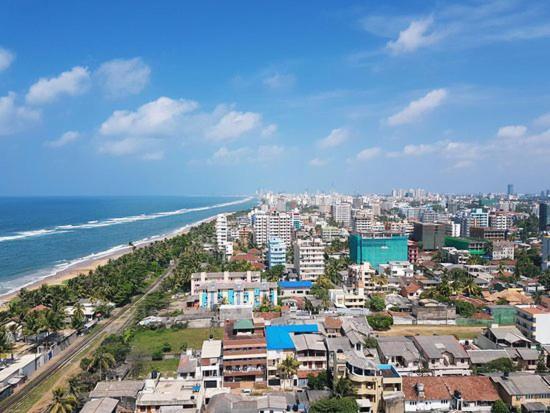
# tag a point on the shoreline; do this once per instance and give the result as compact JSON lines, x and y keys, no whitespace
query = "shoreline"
{"x":85,"y":265}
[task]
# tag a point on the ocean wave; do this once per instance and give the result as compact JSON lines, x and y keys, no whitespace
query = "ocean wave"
{"x":114,"y":221}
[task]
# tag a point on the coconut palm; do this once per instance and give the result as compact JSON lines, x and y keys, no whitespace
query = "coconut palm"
{"x":78,"y":317}
{"x":62,"y":402}
{"x":101,"y":360}
{"x":288,"y":368}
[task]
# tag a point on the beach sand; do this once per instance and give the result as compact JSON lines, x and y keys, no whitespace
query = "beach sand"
{"x":91,"y":264}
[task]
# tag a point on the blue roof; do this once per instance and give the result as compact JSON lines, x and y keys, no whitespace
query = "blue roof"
{"x":278,"y":337}
{"x":295,"y":284}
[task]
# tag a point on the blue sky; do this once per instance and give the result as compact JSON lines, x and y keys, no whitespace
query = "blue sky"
{"x":229,"y":97}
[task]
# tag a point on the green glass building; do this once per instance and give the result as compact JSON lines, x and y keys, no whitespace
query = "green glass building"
{"x":377,"y":250}
{"x":475,"y":246}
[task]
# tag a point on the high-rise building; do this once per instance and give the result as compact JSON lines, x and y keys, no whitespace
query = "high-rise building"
{"x":500,"y":220}
{"x":510,"y":189}
{"x":309,"y":259}
{"x":275,"y":224}
{"x":544,"y":216}
{"x":431,"y":236}
{"x":363,"y":221}
{"x":221,"y":231}
{"x":276,"y":252}
{"x":377,"y":248}
{"x":341,"y":213}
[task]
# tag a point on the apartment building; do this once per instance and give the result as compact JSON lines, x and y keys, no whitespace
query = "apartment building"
{"x":198,"y":278}
{"x":500,"y":220}
{"x":215,"y":293}
{"x":519,"y":388}
{"x":210,"y":364}
{"x":363,"y":221}
{"x":221,"y":231}
{"x":341,"y":213}
{"x":311,"y":353}
{"x":534,"y":322}
{"x":503,"y":250}
{"x":276,"y":252}
{"x":309,"y":259}
{"x":488,"y":233}
{"x":371,"y":381}
{"x":430,"y":235}
{"x":271,"y":224}
{"x":244,"y":354}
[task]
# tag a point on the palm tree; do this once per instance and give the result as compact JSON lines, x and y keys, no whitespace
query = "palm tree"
{"x":288,"y":368}
{"x":78,"y":318}
{"x":101,"y":360}
{"x":471,"y":288}
{"x":62,"y":402}
{"x":344,"y":387}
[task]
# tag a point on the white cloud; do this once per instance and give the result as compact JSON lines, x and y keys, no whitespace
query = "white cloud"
{"x":159,"y":117}
{"x":336,"y":137}
{"x":543,"y":121}
{"x":415,"y":36}
{"x":64,"y":139}
{"x":127,"y":146}
{"x":121,"y":77}
{"x":278,"y":81}
{"x":72,"y":83}
{"x":512,"y":131}
{"x":269,"y":130}
{"x":369,"y":153}
{"x":417,"y":108}
{"x":318,"y":162}
{"x":6,"y":58}
{"x":15,"y":118}
{"x":153,"y":156}
{"x":234,"y":124}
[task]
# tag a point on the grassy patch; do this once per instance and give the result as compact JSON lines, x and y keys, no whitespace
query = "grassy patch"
{"x":149,"y":341}
{"x":461,"y":332}
{"x":167,"y":368}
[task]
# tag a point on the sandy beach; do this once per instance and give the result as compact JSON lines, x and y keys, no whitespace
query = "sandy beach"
{"x":89,"y":265}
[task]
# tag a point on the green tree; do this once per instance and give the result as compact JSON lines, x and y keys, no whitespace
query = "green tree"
{"x":78,"y":319}
{"x":344,"y":388}
{"x":380,"y":322}
{"x":62,"y":402}
{"x":275,"y":273}
{"x":500,"y":407}
{"x":288,"y":368}
{"x":371,"y":342}
{"x":101,"y":361}
{"x":464,"y":308}
{"x":377,"y":303}
{"x":335,"y":405}
{"x":318,"y":382}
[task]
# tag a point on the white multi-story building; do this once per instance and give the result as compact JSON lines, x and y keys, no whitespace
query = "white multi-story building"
{"x":363,"y":221}
{"x":500,"y":221}
{"x":309,"y":259}
{"x":276,"y":252}
{"x":266,"y":225}
{"x":341,"y":213}
{"x":534,"y":322}
{"x":221,"y":231}
{"x":502,"y":250}
{"x":452,"y":229}
{"x":210,"y":364}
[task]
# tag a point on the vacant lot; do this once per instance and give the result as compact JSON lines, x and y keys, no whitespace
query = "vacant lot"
{"x":146,"y":342}
{"x":167,"y":368}
{"x":462,"y":332}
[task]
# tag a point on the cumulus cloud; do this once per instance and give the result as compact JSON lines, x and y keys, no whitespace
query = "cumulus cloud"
{"x":543,"y":121}
{"x":318,"y":162}
{"x":512,"y":131}
{"x":415,"y":36}
{"x":159,"y":117}
{"x":121,"y":77}
{"x":131,"y":132}
{"x":71,"y":83}
{"x":13,"y":117}
{"x":269,"y":130}
{"x":234,"y":124}
{"x":6,"y":58}
{"x":368,"y":153}
{"x":65,"y":139}
{"x":336,"y":137}
{"x":418,"y":108}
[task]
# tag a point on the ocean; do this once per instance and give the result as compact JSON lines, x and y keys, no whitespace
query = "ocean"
{"x":40,"y":236}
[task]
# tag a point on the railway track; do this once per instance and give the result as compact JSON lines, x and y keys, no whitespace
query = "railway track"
{"x":112,"y":325}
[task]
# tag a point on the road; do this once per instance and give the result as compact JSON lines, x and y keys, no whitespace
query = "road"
{"x":120,"y":319}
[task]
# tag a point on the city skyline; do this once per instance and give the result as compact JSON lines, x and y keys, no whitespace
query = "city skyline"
{"x":227,"y":98}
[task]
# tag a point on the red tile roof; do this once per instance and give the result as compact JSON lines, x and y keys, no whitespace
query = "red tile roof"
{"x":472,"y":388}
